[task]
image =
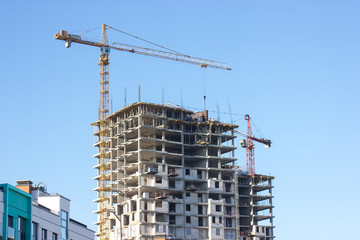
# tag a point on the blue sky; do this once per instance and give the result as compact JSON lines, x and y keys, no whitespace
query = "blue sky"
{"x":295,"y":71}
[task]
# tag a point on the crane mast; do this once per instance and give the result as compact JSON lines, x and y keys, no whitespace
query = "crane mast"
{"x":103,"y":178}
{"x":250,"y":158}
{"x":104,"y":189}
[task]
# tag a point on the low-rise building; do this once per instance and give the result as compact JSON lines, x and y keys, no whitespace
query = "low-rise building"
{"x":30,"y":212}
{"x":15,"y":213}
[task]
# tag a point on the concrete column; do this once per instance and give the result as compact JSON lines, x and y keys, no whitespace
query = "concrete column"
{"x":138,"y":203}
{"x":270,"y":202}
{"x":125,"y":151}
{"x":251,"y":179}
{"x":183,"y":174}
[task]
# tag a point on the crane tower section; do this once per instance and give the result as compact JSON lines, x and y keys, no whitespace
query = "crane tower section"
{"x":250,"y":158}
{"x":103,"y":182}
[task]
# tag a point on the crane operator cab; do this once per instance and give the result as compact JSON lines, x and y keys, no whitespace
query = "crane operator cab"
{"x":67,"y":43}
{"x":105,"y":50}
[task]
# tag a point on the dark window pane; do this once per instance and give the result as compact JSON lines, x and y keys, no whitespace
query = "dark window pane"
{"x":11,"y":221}
{"x":11,"y":230}
{"x":34,"y":231}
{"x":43,"y":234}
{"x":22,"y":228}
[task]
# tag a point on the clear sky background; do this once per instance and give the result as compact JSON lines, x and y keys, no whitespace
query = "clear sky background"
{"x":295,"y":71}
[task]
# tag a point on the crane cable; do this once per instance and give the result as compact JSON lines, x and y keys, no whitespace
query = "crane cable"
{"x":91,"y":29}
{"x":131,"y":35}
{"x":148,"y":41}
{"x":257,"y":129}
{"x":204,"y":86}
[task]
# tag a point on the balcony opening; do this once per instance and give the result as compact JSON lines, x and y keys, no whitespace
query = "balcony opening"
{"x":228,"y":211}
{"x":172,"y":207}
{"x":200,"y":222}
{"x":126,"y":220}
{"x":172,"y":183}
{"x":218,"y":208}
{"x":200,"y":210}
{"x":172,"y":219}
{"x":158,"y":180}
{"x":159,"y":217}
{"x":199,"y":174}
{"x":158,"y":204}
{"x":228,"y":222}
{"x":133,"y":206}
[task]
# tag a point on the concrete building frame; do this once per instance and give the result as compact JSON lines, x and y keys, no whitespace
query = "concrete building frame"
{"x":176,"y":168}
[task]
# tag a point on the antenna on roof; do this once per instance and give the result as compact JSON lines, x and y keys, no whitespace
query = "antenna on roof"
{"x":125,"y":97}
{"x":231,"y":119}
{"x":218,"y":111}
{"x":204,"y":102}
{"x":139,"y":92}
{"x":162,"y":96}
{"x":42,"y":185}
{"x":204,"y":86}
{"x":181,"y":98}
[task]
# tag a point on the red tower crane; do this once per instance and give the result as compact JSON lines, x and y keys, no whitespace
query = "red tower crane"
{"x":249,"y":145}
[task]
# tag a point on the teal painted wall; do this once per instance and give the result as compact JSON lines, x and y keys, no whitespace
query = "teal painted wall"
{"x":17,"y":203}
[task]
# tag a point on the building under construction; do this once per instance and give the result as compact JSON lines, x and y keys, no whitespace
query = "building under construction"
{"x":172,"y":175}
{"x":255,"y":207}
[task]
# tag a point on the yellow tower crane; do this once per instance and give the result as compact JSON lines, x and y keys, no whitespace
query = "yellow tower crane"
{"x":103,"y":123}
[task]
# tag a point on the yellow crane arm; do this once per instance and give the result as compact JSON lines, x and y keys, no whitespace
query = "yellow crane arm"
{"x":170,"y":56}
{"x":69,"y":38}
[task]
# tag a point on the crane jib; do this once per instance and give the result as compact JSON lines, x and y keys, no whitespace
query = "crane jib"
{"x":69,"y":38}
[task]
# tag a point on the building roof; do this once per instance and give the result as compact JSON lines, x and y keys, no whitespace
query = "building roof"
{"x":172,"y":107}
{"x":134,"y":105}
